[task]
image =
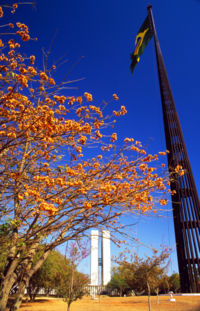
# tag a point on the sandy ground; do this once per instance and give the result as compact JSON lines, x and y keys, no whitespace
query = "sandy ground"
{"x":116,"y":304}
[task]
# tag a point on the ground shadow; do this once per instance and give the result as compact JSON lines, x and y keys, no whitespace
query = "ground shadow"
{"x":195,"y":308}
{"x":27,"y":302}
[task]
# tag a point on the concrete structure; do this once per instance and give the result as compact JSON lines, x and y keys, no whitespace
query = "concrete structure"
{"x":94,"y":273}
{"x":95,"y":290}
{"x":104,"y":260}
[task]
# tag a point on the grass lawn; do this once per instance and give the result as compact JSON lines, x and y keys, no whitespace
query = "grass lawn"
{"x":183,"y":303}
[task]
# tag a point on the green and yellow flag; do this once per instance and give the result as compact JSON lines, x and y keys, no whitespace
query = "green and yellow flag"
{"x":143,"y":37}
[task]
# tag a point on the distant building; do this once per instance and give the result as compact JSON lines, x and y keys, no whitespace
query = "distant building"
{"x":104,"y":260}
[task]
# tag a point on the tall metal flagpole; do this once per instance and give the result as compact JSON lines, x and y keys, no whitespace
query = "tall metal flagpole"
{"x":185,"y":203}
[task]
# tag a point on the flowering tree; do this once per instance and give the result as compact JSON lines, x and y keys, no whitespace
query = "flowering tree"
{"x":49,"y":191}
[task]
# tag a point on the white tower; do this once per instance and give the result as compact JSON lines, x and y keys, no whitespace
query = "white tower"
{"x":94,"y":274}
{"x":106,"y":260}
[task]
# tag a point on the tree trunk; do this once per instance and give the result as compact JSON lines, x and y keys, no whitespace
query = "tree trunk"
{"x":35,"y":294}
{"x":5,"y":294}
{"x":32,"y":292}
{"x":21,"y":289}
{"x":28,"y":272}
{"x":11,"y":271}
{"x":157,"y":292}
{"x":149,"y":295}
{"x":5,"y":291}
{"x":69,"y":305}
{"x":7,"y":283}
{"x":29,"y":290}
{"x":20,"y":294}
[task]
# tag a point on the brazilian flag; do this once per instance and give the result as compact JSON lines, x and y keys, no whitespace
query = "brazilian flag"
{"x":143,"y":37}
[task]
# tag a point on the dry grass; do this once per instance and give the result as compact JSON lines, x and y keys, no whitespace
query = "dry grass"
{"x":116,"y":304}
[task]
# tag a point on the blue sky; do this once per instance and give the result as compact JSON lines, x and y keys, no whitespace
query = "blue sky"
{"x":104,"y":33}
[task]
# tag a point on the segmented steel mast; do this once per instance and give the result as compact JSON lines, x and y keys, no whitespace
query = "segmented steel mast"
{"x":185,"y":203}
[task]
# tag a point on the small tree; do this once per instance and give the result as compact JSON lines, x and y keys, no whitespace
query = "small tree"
{"x":164,"y":284}
{"x":118,"y":281}
{"x":72,"y":284}
{"x":170,"y":283}
{"x":144,"y":275}
{"x":174,"y":282}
